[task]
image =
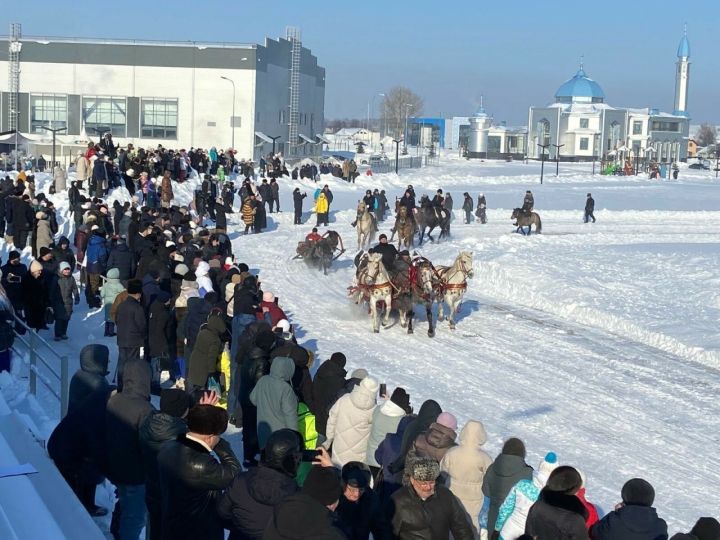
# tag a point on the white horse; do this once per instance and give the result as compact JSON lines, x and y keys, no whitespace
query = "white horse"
{"x":365,"y":225}
{"x":373,"y":285}
{"x":451,"y":284}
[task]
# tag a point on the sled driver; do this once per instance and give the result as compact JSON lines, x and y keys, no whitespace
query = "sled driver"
{"x":388,"y":251}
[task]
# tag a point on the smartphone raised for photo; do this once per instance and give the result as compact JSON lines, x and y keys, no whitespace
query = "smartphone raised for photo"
{"x":383,"y":389}
{"x":308,"y":456}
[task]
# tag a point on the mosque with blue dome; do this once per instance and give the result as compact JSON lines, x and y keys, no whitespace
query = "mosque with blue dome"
{"x":585,"y":127}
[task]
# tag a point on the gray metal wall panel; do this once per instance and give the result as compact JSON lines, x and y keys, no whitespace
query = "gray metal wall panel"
{"x":133,"y":117}
{"x":4,"y":111}
{"x":24,"y":106}
{"x":74,"y":123}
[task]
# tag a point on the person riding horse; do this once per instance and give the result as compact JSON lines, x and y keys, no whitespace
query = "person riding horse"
{"x":528,"y":202}
{"x":370,"y":205}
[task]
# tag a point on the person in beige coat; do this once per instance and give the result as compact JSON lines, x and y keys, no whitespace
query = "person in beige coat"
{"x":43,"y":233}
{"x":166,"y":190}
{"x":60,"y":178}
{"x":464,"y":467}
{"x":82,"y":166}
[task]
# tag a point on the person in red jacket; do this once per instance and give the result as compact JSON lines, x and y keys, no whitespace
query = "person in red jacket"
{"x":268,"y":305}
{"x":592,"y":517}
{"x":313,"y":236}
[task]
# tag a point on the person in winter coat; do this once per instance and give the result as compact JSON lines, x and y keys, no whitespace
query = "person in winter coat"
{"x":43,"y":236}
{"x":468,"y":207}
{"x":91,"y":377}
{"x":108,"y":292}
{"x":528,"y":202}
{"x":506,"y":471}
{"x":159,"y":427}
{"x":126,"y":411}
{"x":329,"y":379}
{"x":301,"y":382}
{"x":199,"y":310}
{"x":59,"y":178}
{"x":275,"y":400}
{"x":166,"y":190}
{"x":82,"y":168}
{"x":463,"y":469}
{"x":22,"y":220}
{"x":706,"y":528}
{"x":269,"y":306}
{"x":192,"y":480}
{"x":385,"y":420}
{"x":13,"y":273}
{"x":96,"y":255}
{"x":297,"y":205}
{"x":592,"y":517}
{"x":322,"y":209}
{"x":359,"y":509}
{"x":349,"y":421}
{"x":248,"y":503}
{"x":37,"y":297}
{"x":78,"y":447}
{"x":425,"y":510}
{"x":161,"y":338}
{"x":386,"y":454}
{"x":122,"y":259}
{"x":131,"y":328}
{"x":63,"y":295}
{"x":248,"y":210}
{"x":62,"y":252}
{"x":589,"y":209}
{"x":513,"y":512}
{"x":205,"y":353}
{"x":558,"y":513}
{"x":203,"y":280}
{"x":428,"y":413}
{"x":634,"y":518}
{"x":436,"y":441}
{"x":309,"y":515}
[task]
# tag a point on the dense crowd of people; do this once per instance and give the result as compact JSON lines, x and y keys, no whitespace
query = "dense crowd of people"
{"x":336,"y":455}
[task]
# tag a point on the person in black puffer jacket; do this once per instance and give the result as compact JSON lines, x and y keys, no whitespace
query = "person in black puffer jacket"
{"x":360,"y":509}
{"x":121,"y":258}
{"x":158,"y":428}
{"x":634,"y":518}
{"x":91,"y":375}
{"x":558,"y":514}
{"x":198,"y":312}
{"x":329,"y":380}
{"x":248,"y":504}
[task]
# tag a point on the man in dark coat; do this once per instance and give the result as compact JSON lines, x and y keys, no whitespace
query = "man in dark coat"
{"x":634,"y":518}
{"x":388,"y":251}
{"x":329,"y":379}
{"x":22,"y":220}
{"x":13,"y":273}
{"x":297,"y":205}
{"x":309,"y":515}
{"x":506,"y":471}
{"x":428,"y":413}
{"x":121,"y":258}
{"x":78,"y":447}
{"x":62,"y":252}
{"x":589,"y":208}
{"x":558,"y":513}
{"x":274,"y":195}
{"x":192,"y":480}
{"x":359,"y":508}
{"x":90,"y":377}
{"x":528,"y":202}
{"x":205,"y":354}
{"x":126,"y":410}
{"x":249,"y":502}
{"x":198,"y":312}
{"x":265,"y":192}
{"x":158,"y":428}
{"x":426,"y":510}
{"x":131,"y":327}
{"x":161,"y":337}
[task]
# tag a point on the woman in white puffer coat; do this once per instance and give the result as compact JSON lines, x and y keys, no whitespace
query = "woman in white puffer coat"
{"x":386,"y":418}
{"x":349,"y":422}
{"x":464,"y":468}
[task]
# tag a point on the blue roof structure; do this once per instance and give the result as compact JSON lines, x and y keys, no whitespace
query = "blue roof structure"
{"x":684,"y":48}
{"x":580,"y":86}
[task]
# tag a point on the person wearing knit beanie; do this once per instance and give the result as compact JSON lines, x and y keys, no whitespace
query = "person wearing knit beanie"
{"x":547,"y":466}
{"x":181,"y":269}
{"x":323,"y":485}
{"x":175,"y":402}
{"x":638,"y":492}
{"x":448,"y":420}
{"x":706,"y":528}
{"x":514,"y":447}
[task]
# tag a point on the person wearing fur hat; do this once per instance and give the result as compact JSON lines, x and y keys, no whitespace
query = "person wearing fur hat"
{"x":506,"y":471}
{"x":425,"y":509}
{"x":349,"y":421}
{"x":513,"y":513}
{"x":131,"y":327}
{"x":63,"y":295}
{"x":464,"y":467}
{"x":558,"y":513}
{"x":634,"y":518}
{"x":192,"y":480}
{"x":37,"y":298}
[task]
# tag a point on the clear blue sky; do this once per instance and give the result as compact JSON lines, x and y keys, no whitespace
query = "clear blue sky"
{"x":516,"y":54}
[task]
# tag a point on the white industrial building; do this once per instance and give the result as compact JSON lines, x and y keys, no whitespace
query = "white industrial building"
{"x":180,"y":95}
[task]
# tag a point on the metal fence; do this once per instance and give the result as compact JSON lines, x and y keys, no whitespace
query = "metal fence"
{"x":42,"y":362}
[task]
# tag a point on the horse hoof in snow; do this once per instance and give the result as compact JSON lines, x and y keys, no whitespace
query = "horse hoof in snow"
{"x":376,"y":331}
{"x":431,"y":333}
{"x":411,"y":331}
{"x":452,"y":326}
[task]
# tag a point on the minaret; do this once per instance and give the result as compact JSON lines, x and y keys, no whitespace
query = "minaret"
{"x":682,"y":76}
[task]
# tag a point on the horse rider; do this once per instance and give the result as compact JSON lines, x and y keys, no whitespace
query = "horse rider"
{"x":438,"y":202}
{"x":528,"y":202}
{"x":388,"y":251}
{"x":370,"y":203}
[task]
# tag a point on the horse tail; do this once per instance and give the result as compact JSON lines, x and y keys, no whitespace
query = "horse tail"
{"x":539,"y":223}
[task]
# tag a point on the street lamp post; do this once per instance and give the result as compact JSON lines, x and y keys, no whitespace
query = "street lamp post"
{"x":232,"y":119}
{"x":542,"y":160}
{"x":273,"y":140}
{"x":54,"y":133}
{"x":557,"y":158}
{"x":397,"y":153}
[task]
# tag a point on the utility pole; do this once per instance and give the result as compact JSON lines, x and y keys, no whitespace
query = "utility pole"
{"x":557,"y":158}
{"x":397,"y":153}
{"x":542,"y":160}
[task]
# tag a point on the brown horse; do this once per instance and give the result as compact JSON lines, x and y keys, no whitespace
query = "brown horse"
{"x":405,"y":228}
{"x":527,"y":220}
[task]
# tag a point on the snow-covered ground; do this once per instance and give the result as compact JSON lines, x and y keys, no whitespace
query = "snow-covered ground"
{"x":596,"y":341}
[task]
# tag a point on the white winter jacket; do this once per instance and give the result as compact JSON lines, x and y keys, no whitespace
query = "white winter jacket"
{"x":203,"y":280}
{"x":348,"y":426}
{"x":385,"y":420}
{"x":464,"y":468}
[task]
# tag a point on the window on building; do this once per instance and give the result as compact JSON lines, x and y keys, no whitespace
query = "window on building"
{"x":584,"y":123}
{"x":48,"y":110}
{"x":584,"y":143}
{"x":159,"y":118}
{"x":104,"y":113}
{"x":637,"y":127}
{"x":658,"y":125}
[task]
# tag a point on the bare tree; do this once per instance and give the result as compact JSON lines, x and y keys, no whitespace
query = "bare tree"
{"x":399,"y":102}
{"x":706,"y":135}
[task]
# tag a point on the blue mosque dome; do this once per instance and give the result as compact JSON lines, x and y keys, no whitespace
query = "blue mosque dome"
{"x":581,"y":89}
{"x":684,"y":48}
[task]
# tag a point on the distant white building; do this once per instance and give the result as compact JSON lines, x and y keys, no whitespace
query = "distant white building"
{"x":581,"y":126}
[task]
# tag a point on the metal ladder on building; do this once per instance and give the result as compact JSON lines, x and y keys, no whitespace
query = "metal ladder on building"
{"x":293,"y":36}
{"x":14,"y":47}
